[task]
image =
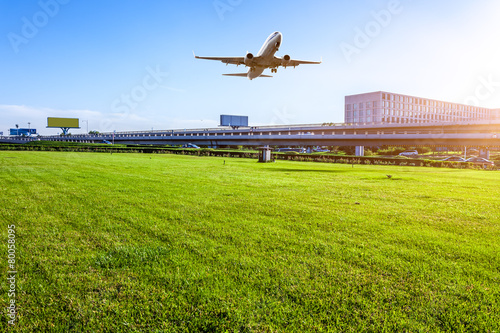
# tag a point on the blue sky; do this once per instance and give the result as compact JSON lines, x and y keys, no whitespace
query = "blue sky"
{"x":128,"y":65}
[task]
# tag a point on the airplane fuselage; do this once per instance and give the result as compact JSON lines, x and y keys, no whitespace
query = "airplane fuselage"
{"x":264,"y":59}
{"x":267,"y":52}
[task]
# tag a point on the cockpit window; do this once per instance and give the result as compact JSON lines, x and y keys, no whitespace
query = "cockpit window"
{"x":272,"y":36}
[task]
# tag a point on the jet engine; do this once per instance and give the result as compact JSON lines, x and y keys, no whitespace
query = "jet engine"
{"x":248,"y":59}
{"x":285,"y":61}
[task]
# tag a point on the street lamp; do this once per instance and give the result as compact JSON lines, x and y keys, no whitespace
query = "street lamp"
{"x":87,"y":125}
{"x":29,"y":128}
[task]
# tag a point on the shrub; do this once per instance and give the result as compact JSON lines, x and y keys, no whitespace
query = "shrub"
{"x":424,"y":150}
{"x":391,"y":151}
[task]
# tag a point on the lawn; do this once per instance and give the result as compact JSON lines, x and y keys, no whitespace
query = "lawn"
{"x":167,"y":243}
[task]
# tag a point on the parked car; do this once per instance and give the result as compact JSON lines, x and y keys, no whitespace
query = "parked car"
{"x":106,"y":142}
{"x":409,"y":153}
{"x":480,"y":161}
{"x":190,"y":145}
{"x":321,"y":150}
{"x":472,"y":151}
{"x":298,"y":150}
{"x":454,"y":159}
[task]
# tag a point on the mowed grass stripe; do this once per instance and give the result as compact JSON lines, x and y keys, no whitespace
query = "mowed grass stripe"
{"x":180,"y":243}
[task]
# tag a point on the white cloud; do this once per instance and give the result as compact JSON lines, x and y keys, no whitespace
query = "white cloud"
{"x":37,"y":117}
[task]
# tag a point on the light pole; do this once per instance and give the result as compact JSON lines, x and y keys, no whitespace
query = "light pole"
{"x":29,"y":129}
{"x":87,"y":125}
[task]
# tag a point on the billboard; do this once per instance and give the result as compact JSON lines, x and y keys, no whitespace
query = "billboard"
{"x":63,"y":122}
{"x":235,"y":121}
{"x":22,"y":131}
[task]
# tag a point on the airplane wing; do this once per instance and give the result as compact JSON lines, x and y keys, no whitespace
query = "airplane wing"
{"x":245,"y":75}
{"x":292,"y":62}
{"x":226,"y":60}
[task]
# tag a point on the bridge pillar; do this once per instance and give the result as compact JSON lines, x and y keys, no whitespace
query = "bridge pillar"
{"x":360,"y":151}
{"x":265,"y":155}
{"x":484,"y":153}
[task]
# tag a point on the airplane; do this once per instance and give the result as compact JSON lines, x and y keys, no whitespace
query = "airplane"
{"x":264,"y":59}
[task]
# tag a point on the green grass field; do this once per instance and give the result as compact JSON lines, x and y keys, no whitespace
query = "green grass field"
{"x":166,"y":243}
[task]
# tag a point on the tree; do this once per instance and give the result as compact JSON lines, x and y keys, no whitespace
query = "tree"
{"x":349,"y":150}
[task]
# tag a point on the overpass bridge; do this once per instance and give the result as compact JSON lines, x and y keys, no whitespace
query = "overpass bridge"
{"x":473,"y":134}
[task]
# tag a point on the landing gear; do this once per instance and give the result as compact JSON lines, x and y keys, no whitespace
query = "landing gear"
{"x":274,"y":70}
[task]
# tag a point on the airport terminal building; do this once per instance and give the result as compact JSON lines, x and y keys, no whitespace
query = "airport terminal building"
{"x":388,"y":107}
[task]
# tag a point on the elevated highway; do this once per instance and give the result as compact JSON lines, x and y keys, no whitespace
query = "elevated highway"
{"x":476,"y":134}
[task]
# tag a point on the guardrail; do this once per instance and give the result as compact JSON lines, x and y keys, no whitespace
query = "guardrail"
{"x":281,"y":131}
